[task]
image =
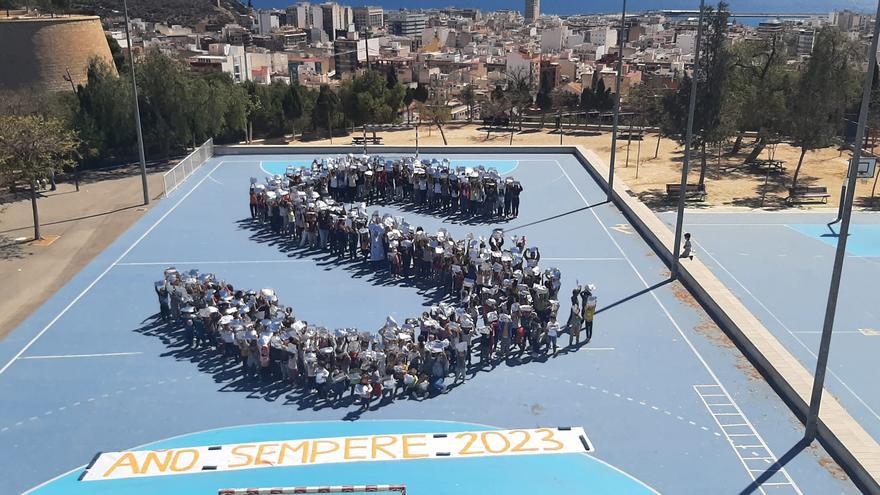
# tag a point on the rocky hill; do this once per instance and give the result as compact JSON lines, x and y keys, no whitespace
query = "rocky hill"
{"x":183,"y":12}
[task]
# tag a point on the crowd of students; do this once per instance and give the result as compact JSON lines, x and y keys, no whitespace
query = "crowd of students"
{"x":434,"y":185}
{"x":500,"y":304}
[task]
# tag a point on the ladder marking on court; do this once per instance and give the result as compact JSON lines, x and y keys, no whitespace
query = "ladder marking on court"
{"x":713,"y":391}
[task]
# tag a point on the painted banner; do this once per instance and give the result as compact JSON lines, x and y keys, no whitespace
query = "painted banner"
{"x":312,"y":451}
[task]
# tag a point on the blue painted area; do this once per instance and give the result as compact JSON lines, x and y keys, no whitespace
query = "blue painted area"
{"x":278,"y":167}
{"x":864,"y":240}
{"x":564,"y":473}
{"x":779,"y":265}
{"x":664,"y":435}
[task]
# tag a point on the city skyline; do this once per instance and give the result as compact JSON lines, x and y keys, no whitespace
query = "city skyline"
{"x":559,"y":7}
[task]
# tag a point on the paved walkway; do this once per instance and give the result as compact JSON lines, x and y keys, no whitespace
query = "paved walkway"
{"x":108,"y":202}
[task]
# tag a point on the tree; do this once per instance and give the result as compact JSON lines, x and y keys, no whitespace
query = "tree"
{"x":116,"y":53}
{"x":391,"y":78}
{"x":165,"y":104}
{"x":436,"y":111}
{"x":327,"y":114}
{"x":822,"y":95}
{"x":713,"y":120}
{"x":497,"y":93}
{"x":104,"y":117}
{"x":32,"y":148}
{"x":469,"y":98}
{"x":519,"y":94}
{"x":421,"y":93}
{"x":587,"y":102}
{"x":293,"y":106}
{"x":759,"y":83}
{"x":544,"y":102}
{"x":367,"y":99}
{"x":648,"y":104}
{"x":603,"y":98}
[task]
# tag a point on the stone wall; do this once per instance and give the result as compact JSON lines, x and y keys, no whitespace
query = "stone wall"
{"x":35,"y":53}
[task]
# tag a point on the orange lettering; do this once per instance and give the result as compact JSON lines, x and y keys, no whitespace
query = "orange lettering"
{"x":285,"y":447}
{"x":407,"y":445}
{"x":128,"y":461}
{"x":264,"y":449}
{"x":248,"y":458}
{"x":153,"y":458}
{"x":316,"y":449}
{"x":175,"y":464}
{"x":377,"y":446}
{"x":349,"y":447}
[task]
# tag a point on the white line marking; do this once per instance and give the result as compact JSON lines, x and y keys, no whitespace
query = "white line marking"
{"x":583,"y":259}
{"x":106,"y":270}
{"x":65,"y":356}
{"x":242,"y":262}
{"x":215,"y":180}
{"x":662,"y":306}
{"x":819,"y":332}
{"x":738,"y":448}
{"x":596,"y":349}
{"x":785,"y":327}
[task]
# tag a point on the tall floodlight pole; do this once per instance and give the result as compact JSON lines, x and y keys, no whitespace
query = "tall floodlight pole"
{"x":621,"y":42}
{"x":137,"y":110}
{"x":840,"y":255}
{"x":689,"y":136}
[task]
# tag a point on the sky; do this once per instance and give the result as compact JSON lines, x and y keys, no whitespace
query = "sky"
{"x":567,"y":7}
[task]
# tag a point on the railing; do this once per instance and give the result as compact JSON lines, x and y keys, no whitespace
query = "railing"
{"x":174,"y":177}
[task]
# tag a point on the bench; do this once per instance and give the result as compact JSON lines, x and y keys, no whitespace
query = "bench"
{"x":359,"y":140}
{"x":695,"y":192}
{"x":808,"y":193}
{"x":776,"y":166}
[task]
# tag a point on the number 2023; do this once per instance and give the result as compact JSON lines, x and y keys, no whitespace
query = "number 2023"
{"x":513,"y":442}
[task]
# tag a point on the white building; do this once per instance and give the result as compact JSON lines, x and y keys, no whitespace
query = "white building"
{"x":521,"y":64}
{"x":603,"y":35}
{"x":686,"y":42}
{"x":266,"y":21}
{"x":553,"y":39}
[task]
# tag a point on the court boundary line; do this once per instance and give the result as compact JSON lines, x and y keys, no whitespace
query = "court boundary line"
{"x":666,"y":311}
{"x":788,"y":330}
{"x":70,"y":356}
{"x":106,"y":271}
{"x":218,"y":262}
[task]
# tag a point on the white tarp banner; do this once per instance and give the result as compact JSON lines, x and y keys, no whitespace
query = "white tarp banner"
{"x":311,"y":451}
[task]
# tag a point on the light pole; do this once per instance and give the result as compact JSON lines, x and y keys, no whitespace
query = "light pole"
{"x":621,"y":43}
{"x":840,"y":255}
{"x":689,"y":136}
{"x":137,"y":111}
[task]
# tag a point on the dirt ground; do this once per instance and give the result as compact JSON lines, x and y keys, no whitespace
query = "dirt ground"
{"x":729,"y":183}
{"x":108,"y":202}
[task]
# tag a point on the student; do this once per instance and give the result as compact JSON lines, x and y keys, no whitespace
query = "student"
{"x":552,"y":332}
{"x":686,"y":249}
{"x":574,"y":319}
{"x":364,"y":392}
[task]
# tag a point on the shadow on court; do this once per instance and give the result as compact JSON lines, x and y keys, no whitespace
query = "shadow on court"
{"x":775,"y":468}
{"x":233,"y":376}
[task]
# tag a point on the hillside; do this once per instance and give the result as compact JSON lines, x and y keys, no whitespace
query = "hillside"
{"x":183,"y":12}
